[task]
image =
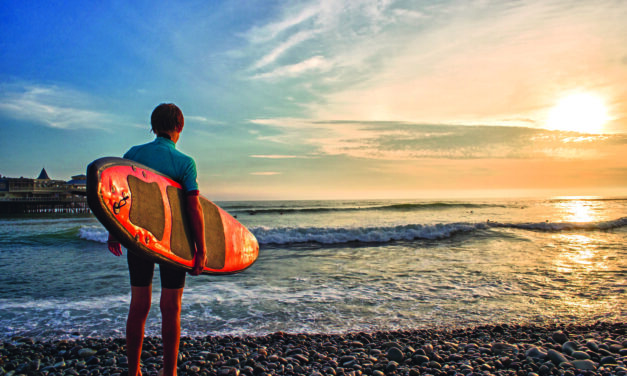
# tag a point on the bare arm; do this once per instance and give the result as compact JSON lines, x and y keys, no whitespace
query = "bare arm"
{"x":197,"y":223}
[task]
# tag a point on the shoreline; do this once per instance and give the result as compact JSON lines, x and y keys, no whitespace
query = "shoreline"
{"x":499,"y":349}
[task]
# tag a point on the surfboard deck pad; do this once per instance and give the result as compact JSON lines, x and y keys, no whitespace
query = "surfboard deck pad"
{"x":145,"y":211}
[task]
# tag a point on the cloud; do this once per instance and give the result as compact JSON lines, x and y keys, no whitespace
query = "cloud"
{"x":270,"y":31}
{"x":409,"y":141}
{"x":203,"y":120}
{"x":265,"y":173}
{"x":454,"y":62}
{"x":52,"y":106}
{"x":282,"y":48}
{"x":279,"y":156}
{"x":303,"y":38}
{"x":315,"y":63}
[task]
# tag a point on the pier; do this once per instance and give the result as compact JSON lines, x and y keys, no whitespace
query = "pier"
{"x":42,"y":195}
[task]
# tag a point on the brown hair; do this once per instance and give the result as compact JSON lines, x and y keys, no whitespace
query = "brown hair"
{"x":167,"y":117}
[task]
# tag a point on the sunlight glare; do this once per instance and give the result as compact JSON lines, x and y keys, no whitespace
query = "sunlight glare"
{"x":580,"y":112}
{"x":579,"y":211}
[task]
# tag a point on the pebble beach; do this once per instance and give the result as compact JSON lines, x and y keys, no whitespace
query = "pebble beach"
{"x":505,"y":349}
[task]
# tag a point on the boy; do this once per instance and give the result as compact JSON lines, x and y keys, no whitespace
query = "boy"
{"x":161,"y":155}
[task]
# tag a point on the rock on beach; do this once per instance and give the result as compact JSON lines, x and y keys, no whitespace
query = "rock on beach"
{"x":566,"y":349}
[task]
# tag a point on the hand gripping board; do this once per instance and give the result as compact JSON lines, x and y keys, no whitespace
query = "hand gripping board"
{"x":145,"y":211}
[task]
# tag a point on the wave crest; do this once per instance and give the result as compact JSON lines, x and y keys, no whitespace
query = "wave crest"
{"x":340,"y":235}
{"x":326,"y":235}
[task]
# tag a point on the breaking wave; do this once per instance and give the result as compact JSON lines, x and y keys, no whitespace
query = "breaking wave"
{"x":325,"y":235}
{"x":385,"y":234}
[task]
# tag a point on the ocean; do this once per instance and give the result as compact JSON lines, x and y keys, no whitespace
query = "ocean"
{"x":338,"y":266}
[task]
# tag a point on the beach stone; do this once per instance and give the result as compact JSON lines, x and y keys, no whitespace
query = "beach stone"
{"x":109,"y":362}
{"x":392,"y":366}
{"x":228,"y":371}
{"x":592,"y":345}
{"x":586,"y":365}
{"x":559,"y":337}
{"x":566,"y":365}
{"x":569,"y":347}
{"x":500,"y":348}
{"x":86,"y":352}
{"x":534,"y":352}
{"x":556,"y":357}
{"x":347,"y":358}
{"x":608,"y":360}
{"x":434,"y":364}
{"x":420,"y":359}
{"x":395,"y":354}
{"x":466,"y":368}
{"x":580,"y":355}
{"x":232,"y":362}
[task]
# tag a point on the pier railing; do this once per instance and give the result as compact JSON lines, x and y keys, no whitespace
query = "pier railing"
{"x":34,"y":205}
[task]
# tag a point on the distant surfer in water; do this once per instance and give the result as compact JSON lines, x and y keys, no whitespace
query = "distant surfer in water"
{"x":161,"y":155}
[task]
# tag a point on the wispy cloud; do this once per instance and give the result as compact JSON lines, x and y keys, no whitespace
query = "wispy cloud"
{"x":321,"y":35}
{"x":317,"y":63}
{"x":265,"y":173}
{"x":279,"y":156}
{"x":452,"y":61}
{"x":408,"y":141}
{"x":289,"y":19}
{"x":203,"y":120}
{"x":282,"y":48}
{"x":52,"y":106}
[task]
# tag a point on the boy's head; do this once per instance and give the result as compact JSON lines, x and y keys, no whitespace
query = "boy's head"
{"x":166,"y":117}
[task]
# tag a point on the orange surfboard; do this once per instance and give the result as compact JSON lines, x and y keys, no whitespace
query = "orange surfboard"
{"x":145,"y":211}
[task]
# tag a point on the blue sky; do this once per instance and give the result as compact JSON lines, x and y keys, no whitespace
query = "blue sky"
{"x":325,"y":99}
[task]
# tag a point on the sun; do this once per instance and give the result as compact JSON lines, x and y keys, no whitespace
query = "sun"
{"x":579,"y":112}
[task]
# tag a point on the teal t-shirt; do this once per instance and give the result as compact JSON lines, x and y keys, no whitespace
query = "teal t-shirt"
{"x":161,"y":155}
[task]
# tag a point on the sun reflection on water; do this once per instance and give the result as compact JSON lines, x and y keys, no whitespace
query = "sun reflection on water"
{"x":581,"y":254}
{"x":580,"y":211}
{"x":581,"y":266}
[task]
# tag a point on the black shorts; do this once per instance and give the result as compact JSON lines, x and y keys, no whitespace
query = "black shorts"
{"x":142,"y":270}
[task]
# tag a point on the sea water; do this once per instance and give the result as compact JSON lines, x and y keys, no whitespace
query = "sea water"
{"x":338,"y":266}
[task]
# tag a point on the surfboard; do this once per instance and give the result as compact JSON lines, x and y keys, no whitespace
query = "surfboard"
{"x":145,"y":211}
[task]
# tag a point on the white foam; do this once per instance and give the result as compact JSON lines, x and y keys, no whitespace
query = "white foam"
{"x":326,"y":235}
{"x":93,"y":233}
{"x":340,"y":235}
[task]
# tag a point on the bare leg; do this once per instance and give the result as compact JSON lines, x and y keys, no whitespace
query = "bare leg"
{"x":137,"y":315}
{"x":170,"y":328}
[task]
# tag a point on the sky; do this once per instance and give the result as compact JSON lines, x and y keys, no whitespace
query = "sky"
{"x":326,"y":99}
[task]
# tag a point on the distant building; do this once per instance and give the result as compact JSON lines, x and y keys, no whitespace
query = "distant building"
{"x":42,"y":195}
